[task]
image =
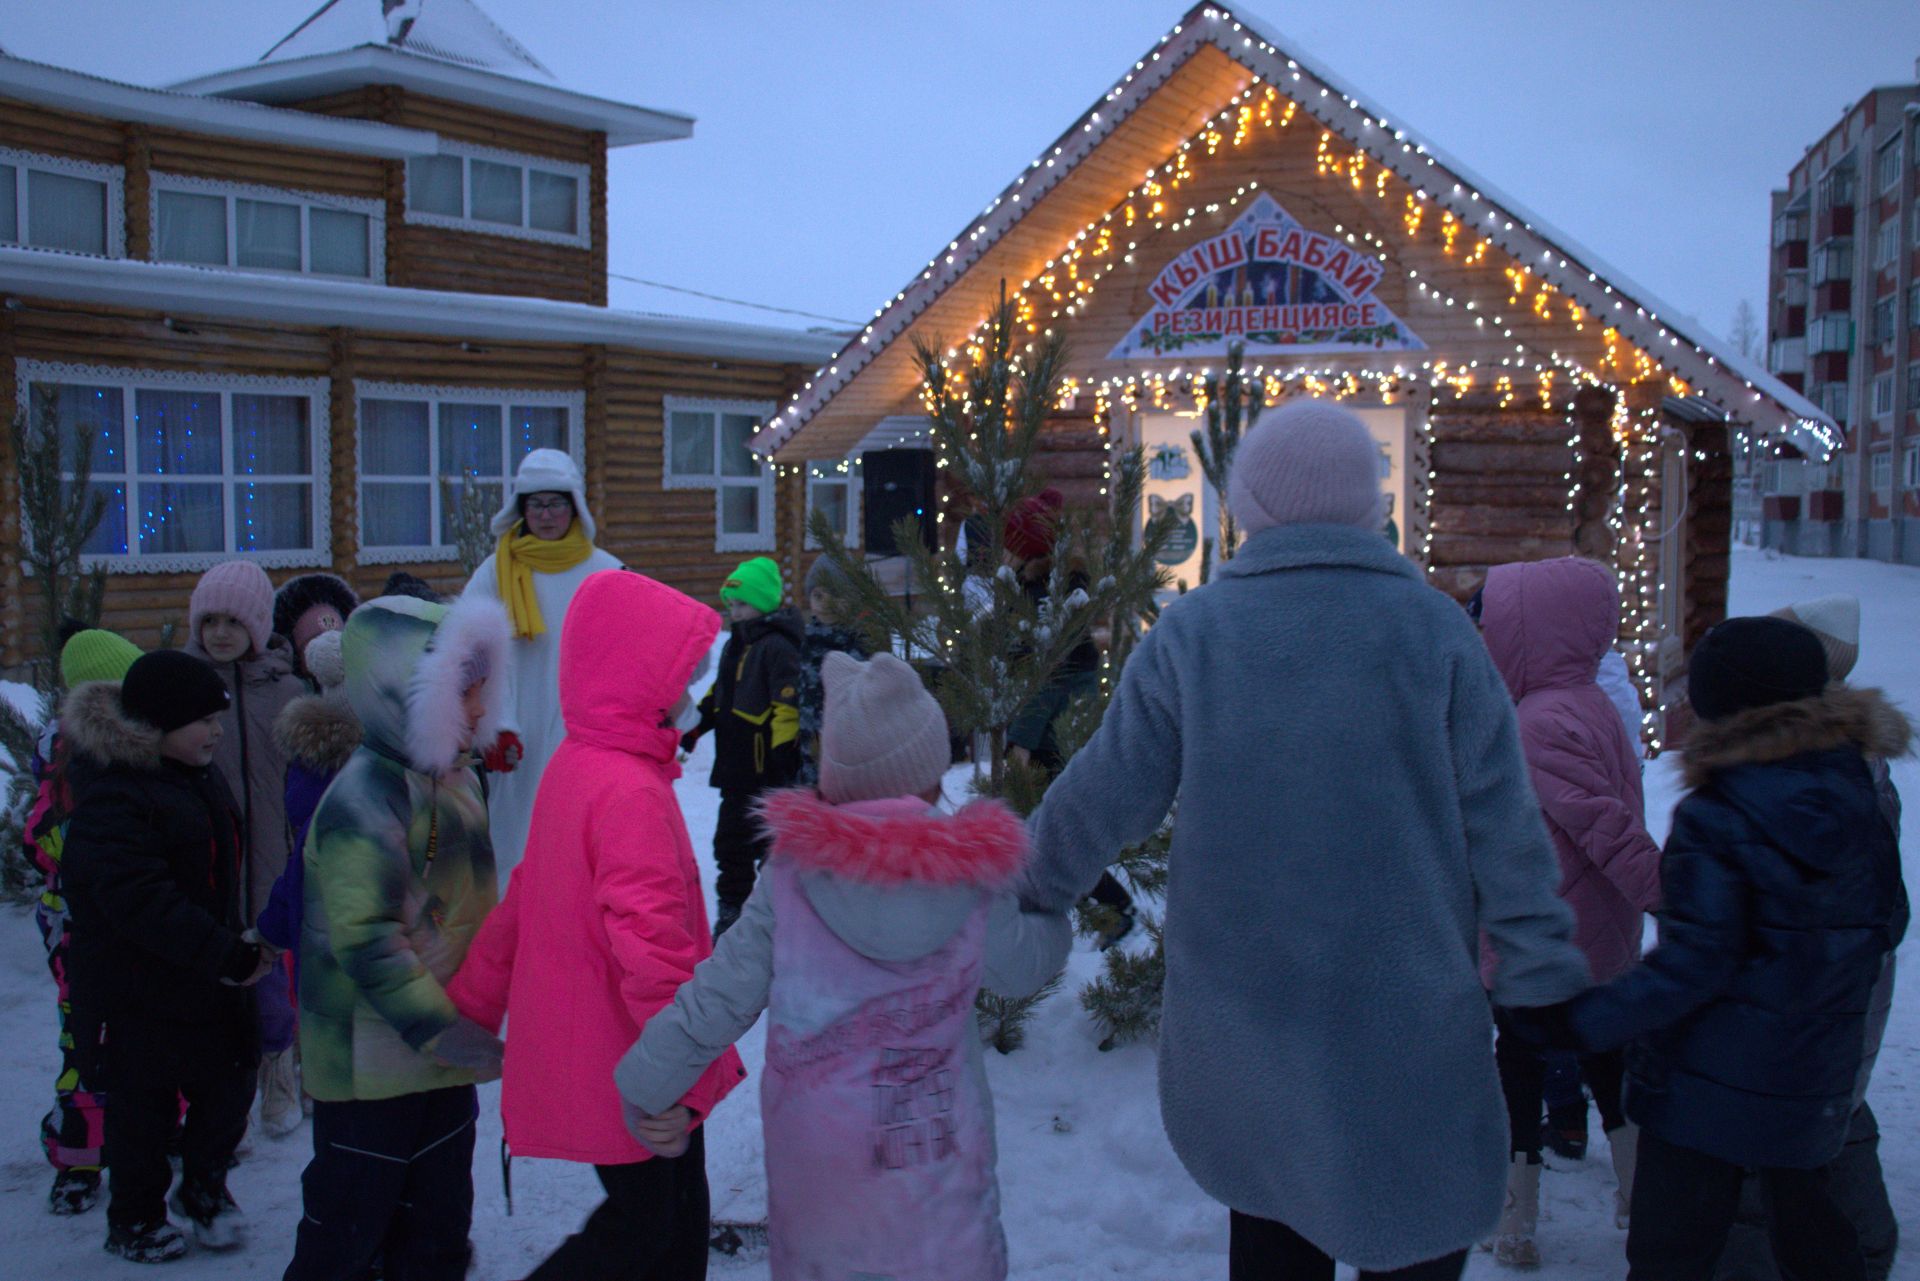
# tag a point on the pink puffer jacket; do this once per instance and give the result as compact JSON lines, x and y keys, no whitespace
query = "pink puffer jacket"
{"x":1547,"y":624}
{"x":603,"y":920}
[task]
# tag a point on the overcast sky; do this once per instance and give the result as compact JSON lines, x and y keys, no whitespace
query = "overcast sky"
{"x":841,"y":142}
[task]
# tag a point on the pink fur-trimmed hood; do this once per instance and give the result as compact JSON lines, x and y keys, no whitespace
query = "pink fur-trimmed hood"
{"x":984,"y":845}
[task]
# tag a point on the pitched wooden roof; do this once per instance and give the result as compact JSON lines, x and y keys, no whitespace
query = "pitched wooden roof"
{"x":1170,"y":94}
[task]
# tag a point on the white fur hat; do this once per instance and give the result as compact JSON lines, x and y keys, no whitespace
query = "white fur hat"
{"x":546,"y":471}
{"x":1836,"y":621}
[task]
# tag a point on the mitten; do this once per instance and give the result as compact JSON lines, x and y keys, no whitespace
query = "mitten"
{"x":505,"y":753}
{"x":468,"y":1045}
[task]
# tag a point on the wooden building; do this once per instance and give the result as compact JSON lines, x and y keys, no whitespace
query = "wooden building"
{"x":290,"y":301}
{"x":1529,"y":400}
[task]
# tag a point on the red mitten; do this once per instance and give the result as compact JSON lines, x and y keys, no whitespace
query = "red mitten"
{"x":505,"y":753}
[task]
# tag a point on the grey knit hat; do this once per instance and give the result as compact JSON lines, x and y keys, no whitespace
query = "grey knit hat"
{"x":824,"y":573}
{"x":1309,"y":462}
{"x":882,"y":734}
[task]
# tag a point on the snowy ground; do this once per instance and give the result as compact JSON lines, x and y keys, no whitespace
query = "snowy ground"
{"x":1089,"y":1184}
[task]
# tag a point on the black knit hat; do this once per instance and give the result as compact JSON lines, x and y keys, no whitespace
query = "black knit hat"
{"x":298,"y":595}
{"x":401,"y":583}
{"x":1754,"y":662}
{"x":170,"y":688}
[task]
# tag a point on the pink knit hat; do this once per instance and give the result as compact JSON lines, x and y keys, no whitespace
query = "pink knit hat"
{"x":240,"y":588}
{"x":1309,"y":462}
{"x":881,"y":734}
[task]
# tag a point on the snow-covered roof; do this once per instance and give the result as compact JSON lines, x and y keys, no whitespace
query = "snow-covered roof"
{"x":451,"y":30}
{"x":1733,"y":385}
{"x":445,"y":48}
{"x":43,"y":85}
{"x":300,"y":300}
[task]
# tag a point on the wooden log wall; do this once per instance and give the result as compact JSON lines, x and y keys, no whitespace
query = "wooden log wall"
{"x":422,"y":257}
{"x":1709,"y":528}
{"x":1499,"y":490}
{"x":668,"y":534}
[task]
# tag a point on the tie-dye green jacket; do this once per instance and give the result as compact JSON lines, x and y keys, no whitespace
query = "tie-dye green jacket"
{"x":399,"y":867}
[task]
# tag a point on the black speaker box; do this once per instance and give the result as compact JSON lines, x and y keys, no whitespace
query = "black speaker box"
{"x":895,"y":484}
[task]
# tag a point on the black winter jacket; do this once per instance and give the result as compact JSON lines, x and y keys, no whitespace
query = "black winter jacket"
{"x":753,"y":708}
{"x":1754,"y":1024}
{"x":152,"y":874}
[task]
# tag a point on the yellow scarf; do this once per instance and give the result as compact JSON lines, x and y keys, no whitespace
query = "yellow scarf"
{"x":519,"y":557}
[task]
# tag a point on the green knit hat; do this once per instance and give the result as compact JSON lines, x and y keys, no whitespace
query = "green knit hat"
{"x":96,"y":655}
{"x":755,"y":583}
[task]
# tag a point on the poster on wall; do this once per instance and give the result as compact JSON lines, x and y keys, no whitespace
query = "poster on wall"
{"x":1272,"y":284}
{"x":1174,"y":483}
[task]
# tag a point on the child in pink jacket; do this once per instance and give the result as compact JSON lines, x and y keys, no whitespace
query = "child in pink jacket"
{"x":876,"y":922}
{"x":603,"y":920}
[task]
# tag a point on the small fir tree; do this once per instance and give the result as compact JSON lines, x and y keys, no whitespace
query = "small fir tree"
{"x":19,"y":735}
{"x":469,"y":520}
{"x":987,"y":647}
{"x":60,"y":511}
{"x":1233,"y":402}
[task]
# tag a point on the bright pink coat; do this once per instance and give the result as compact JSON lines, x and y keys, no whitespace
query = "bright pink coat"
{"x":604,"y":919}
{"x":1547,"y":624}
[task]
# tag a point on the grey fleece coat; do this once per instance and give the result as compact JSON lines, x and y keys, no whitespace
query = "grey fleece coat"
{"x":1354,"y":811}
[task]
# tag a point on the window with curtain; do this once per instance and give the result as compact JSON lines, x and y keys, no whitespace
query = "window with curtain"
{"x":193,"y":470}
{"x":50,"y":202}
{"x":260,"y":229}
{"x":420,"y":446}
{"x":502,"y":193}
{"x":708,"y":446}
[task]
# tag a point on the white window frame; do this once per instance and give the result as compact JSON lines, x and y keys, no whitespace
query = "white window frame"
{"x":1882,"y":395}
{"x":1886,"y":249}
{"x":1911,"y":469}
{"x":582,"y":174}
{"x":1880,"y":469}
{"x":574,"y":402}
{"x":766,"y":539}
{"x":114,"y":176}
{"x":375,"y":212}
{"x":1886,"y":167}
{"x":128,"y":381}
{"x":846,"y":472}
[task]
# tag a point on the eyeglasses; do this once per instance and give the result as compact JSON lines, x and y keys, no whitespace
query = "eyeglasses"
{"x":549,"y":505}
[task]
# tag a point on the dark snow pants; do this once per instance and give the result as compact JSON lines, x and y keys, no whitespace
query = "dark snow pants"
{"x":1685,"y":1202}
{"x":390,"y":1179}
{"x":651,"y":1227}
{"x":1262,"y":1250}
{"x":143,"y":1111}
{"x":740,"y":846}
{"x":1523,"y":1080}
{"x":1858,"y":1184}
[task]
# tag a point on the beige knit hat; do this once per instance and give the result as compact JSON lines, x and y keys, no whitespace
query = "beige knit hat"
{"x":1836,"y":621}
{"x":882,"y":735}
{"x":1308,"y":462}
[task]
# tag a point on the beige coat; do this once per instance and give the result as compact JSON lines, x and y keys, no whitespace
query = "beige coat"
{"x":252,"y":762}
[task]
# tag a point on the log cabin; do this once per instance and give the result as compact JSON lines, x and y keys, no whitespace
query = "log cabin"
{"x":1529,"y":401}
{"x":289,"y":300}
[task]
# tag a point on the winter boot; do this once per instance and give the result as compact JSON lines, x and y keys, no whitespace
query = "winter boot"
{"x":74,"y":1192}
{"x":215,"y":1221}
{"x":1624,"y":1145}
{"x":1513,"y":1244}
{"x":280,"y":1113}
{"x":724,"y":918}
{"x":1118,"y":923}
{"x":146,"y":1243}
{"x":1565,"y":1133}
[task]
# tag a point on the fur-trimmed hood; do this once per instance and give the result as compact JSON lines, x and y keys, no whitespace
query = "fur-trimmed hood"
{"x":1839,"y":717}
{"x":318,"y":731}
{"x":897,"y":842}
{"x":408,"y":662}
{"x":95,"y":725}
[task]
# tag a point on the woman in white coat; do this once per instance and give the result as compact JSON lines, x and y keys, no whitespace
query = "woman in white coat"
{"x":546,"y":551}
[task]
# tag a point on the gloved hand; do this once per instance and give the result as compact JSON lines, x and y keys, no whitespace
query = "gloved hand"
{"x":250,"y":964}
{"x":689,"y":741}
{"x":506,"y":752}
{"x":1545,"y":1027}
{"x":468,"y":1045}
{"x":666,"y":1135}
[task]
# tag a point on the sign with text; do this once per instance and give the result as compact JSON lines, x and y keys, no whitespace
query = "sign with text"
{"x":1273,"y":285}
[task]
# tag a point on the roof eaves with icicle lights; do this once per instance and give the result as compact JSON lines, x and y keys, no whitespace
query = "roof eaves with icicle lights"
{"x":1718,"y":379}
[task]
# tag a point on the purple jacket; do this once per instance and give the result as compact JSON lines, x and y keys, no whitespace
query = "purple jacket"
{"x":1547,"y":624}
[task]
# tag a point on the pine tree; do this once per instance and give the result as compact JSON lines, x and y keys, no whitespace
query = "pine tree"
{"x":18,"y":737}
{"x":59,"y":511}
{"x":988,"y":647}
{"x":469,"y":520}
{"x":1233,"y":402}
